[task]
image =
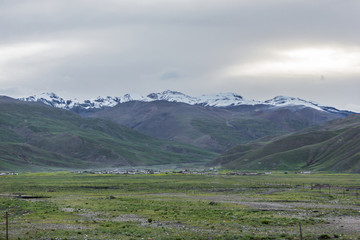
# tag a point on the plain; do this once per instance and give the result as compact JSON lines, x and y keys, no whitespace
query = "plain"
{"x":68,"y":205}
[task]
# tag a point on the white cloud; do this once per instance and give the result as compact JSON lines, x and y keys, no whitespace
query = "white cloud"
{"x":15,"y":52}
{"x":309,"y":61}
{"x":21,"y":60}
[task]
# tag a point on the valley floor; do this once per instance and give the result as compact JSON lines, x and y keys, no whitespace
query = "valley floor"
{"x":179,"y":206}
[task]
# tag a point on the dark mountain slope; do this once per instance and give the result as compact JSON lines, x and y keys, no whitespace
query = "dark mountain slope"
{"x":207,"y":127}
{"x":213,"y":128}
{"x":332,"y":147}
{"x":35,"y":135}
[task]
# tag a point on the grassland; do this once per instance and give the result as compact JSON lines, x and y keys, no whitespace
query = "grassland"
{"x":177,"y":206}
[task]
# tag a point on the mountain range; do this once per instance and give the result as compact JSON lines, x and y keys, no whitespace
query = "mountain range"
{"x":214,"y":100}
{"x":161,"y":128}
{"x":36,"y":136}
{"x":214,"y":122}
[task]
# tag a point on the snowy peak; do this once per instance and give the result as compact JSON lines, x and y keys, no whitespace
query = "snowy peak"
{"x":51,"y":99}
{"x":54,"y":100}
{"x":170,"y":96}
{"x":225,"y":100}
{"x":283,"y":101}
{"x":100,"y":102}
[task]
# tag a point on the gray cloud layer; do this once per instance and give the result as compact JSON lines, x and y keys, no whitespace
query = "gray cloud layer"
{"x":87,"y":48}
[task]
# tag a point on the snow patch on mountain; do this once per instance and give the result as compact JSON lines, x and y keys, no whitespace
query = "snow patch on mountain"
{"x":225,"y":100}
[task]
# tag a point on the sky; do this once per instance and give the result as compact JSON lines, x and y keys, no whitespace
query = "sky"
{"x":256,"y":48}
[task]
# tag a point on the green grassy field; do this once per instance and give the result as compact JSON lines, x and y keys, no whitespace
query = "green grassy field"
{"x":178,"y":206}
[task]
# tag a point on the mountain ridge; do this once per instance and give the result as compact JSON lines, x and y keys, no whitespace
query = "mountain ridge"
{"x":333,"y":146}
{"x":211,"y":100}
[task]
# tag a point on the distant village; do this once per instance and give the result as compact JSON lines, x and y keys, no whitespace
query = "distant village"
{"x":133,"y":171}
{"x":210,"y":171}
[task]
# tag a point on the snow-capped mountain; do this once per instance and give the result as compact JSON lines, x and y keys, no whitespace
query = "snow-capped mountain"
{"x":51,"y":99}
{"x":282,"y":101}
{"x":215,"y":100}
{"x":170,"y":96}
{"x":54,"y":100}
{"x":225,"y":100}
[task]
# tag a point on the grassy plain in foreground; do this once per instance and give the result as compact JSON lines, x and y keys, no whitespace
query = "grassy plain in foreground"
{"x":177,"y":206}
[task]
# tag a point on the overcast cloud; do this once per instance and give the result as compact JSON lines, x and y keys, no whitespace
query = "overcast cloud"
{"x":256,"y":48}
